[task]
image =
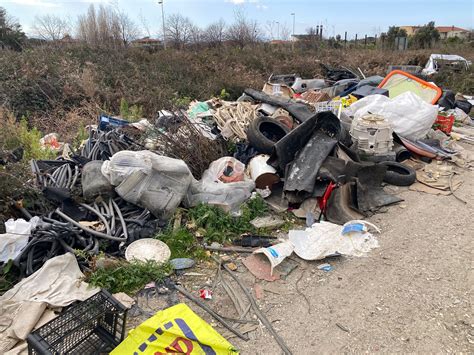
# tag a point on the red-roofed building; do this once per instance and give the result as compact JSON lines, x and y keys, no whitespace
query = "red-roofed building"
{"x":451,"y":32}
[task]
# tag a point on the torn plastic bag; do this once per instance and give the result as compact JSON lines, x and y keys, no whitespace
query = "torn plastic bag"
{"x":299,"y":111}
{"x":16,"y":237}
{"x":226,"y":169}
{"x":447,"y":100}
{"x":176,"y":330}
{"x":409,"y":115}
{"x":212,"y":190}
{"x":149,"y":180}
{"x":327,"y":239}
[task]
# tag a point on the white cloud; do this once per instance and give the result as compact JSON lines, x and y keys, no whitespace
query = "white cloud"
{"x":262,"y":7}
{"x":37,"y":3}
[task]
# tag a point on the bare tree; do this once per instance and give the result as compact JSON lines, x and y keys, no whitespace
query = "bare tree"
{"x":214,"y":34}
{"x":87,"y":29}
{"x":196,"y":35}
{"x":270,"y":30}
{"x":106,"y":26}
{"x":178,"y":30}
{"x":144,"y":23}
{"x":127,"y":29}
{"x":285,"y":33}
{"x":243,"y":31}
{"x":50,"y":27}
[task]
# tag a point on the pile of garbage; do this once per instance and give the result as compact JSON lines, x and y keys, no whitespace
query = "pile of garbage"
{"x":324,"y":149}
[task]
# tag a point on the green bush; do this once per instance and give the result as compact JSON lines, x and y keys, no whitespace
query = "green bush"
{"x":128,"y":277}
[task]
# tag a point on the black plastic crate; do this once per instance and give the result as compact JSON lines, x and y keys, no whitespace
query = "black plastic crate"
{"x":94,"y":326}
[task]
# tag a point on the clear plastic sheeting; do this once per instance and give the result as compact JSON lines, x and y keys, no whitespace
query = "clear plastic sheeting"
{"x":149,"y":180}
{"x":223,"y":184}
{"x":432,"y":65}
{"x":408,"y":114}
{"x":326,"y":239}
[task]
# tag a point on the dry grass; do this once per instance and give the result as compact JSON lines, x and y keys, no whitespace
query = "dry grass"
{"x":62,"y":88}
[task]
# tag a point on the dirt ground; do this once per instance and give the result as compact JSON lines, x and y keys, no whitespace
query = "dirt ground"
{"x":412,"y":294}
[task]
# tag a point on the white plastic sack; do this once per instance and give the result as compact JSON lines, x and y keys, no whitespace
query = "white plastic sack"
{"x":325,"y":239}
{"x":409,"y":115}
{"x":212,"y":190}
{"x":149,"y":180}
{"x":16,"y":237}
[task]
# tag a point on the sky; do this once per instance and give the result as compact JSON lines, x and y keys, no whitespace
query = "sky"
{"x":364,"y":17}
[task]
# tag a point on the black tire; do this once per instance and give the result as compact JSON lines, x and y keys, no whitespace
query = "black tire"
{"x":398,"y":174}
{"x":264,"y":132}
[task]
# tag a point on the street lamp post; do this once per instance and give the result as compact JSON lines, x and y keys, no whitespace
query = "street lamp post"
{"x":163,"y":21}
{"x":294,"y":39}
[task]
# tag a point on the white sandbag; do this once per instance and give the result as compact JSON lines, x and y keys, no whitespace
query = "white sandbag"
{"x":149,"y":180}
{"x":409,"y":115}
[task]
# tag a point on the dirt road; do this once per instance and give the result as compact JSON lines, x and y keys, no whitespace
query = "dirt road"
{"x":413,"y":294}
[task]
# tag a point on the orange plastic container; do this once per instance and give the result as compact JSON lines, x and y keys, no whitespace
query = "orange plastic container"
{"x":398,"y":82}
{"x":444,"y":123}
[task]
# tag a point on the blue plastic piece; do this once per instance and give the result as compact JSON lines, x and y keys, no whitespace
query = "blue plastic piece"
{"x":110,"y":122}
{"x":353,"y":227}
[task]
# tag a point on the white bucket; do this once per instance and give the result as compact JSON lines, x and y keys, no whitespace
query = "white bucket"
{"x":261,"y":173}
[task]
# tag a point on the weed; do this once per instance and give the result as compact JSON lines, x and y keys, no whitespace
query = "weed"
{"x":216,"y":225}
{"x":224,"y":95}
{"x":130,"y":113}
{"x":182,"y":243}
{"x":128,"y":277}
{"x":181,"y":101}
{"x":17,"y":134}
{"x":8,"y":276}
{"x":81,"y":136}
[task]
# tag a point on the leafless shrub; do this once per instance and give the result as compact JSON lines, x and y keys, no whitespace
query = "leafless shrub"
{"x":50,"y":27}
{"x":184,"y":141}
{"x":243,"y":31}
{"x":214,"y":34}
{"x":179,"y":30}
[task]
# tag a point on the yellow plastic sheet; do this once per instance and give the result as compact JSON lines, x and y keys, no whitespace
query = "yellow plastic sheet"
{"x":176,"y":330}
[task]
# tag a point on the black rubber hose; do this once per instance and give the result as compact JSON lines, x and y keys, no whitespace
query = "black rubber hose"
{"x":101,"y":217}
{"x":87,"y":230}
{"x":124,"y":225}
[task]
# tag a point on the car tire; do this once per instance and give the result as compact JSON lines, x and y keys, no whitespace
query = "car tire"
{"x":264,"y":132}
{"x":399,"y":174}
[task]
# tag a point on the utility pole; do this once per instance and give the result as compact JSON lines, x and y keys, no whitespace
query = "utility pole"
{"x":293,"y":39}
{"x":163,"y":21}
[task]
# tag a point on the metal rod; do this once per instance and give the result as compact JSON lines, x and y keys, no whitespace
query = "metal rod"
{"x":210,"y":311}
